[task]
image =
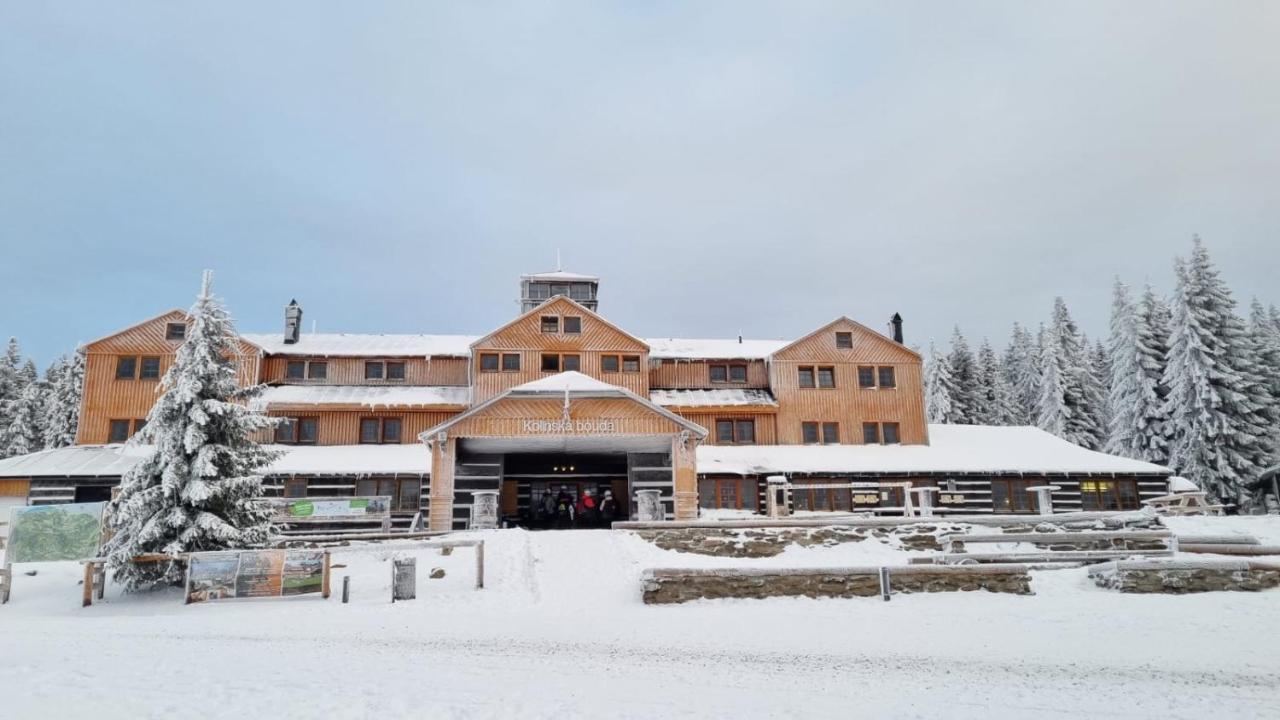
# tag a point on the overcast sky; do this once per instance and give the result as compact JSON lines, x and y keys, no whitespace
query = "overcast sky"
{"x":724,"y":166}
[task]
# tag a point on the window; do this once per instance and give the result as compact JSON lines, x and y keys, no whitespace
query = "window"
{"x":150,"y":368}
{"x":297,"y":431}
{"x":735,"y":432}
{"x":395,"y":370}
{"x":295,"y":369}
{"x":609,"y":363}
{"x":570,"y":362}
{"x":1011,"y":496}
{"x":317,"y":370}
{"x":728,"y":493}
{"x":822,"y":499}
{"x":405,"y":493}
{"x":844,"y":340}
{"x":728,"y":373}
{"x":138,"y":425}
{"x":572,"y":324}
{"x":550,"y":362}
{"x":806,"y":377}
{"x":830,"y":433}
{"x":809,"y":432}
{"x":826,"y":377}
{"x":888,"y":378}
{"x":866,"y":376}
{"x":550,"y":324}
{"x":175,"y":331}
{"x":631,"y":363}
{"x":890,"y":433}
{"x":1108,"y":495}
{"x":373,"y":371}
{"x":539,"y":292}
{"x":374,"y":431}
{"x":871,"y":433}
{"x":126,"y":368}
{"x":119,"y":431}
{"x":560,"y":289}
{"x":580,"y":291}
{"x":295,"y":488}
{"x":488,"y":362}
{"x":510,"y":362}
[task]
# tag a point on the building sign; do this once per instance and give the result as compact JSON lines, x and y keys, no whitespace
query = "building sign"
{"x":254,"y":574}
{"x":569,"y":427}
{"x":45,"y":533}
{"x":317,"y":508}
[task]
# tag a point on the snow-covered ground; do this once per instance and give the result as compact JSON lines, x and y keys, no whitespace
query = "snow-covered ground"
{"x":560,"y":632}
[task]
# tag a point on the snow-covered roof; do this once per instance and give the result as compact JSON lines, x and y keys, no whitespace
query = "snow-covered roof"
{"x":712,"y":348}
{"x":561,"y":275}
{"x":716,"y":397}
{"x":951,"y":449}
{"x":115,"y":460}
{"x":364,"y":345}
{"x":568,"y":381}
{"x":370,"y":396}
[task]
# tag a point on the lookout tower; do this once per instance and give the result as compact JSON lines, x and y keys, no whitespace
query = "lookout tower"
{"x":540,"y":287}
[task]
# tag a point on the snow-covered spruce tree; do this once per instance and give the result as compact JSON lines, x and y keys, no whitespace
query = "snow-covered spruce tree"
{"x":964,"y":379}
{"x":61,"y":414}
{"x":10,"y":386}
{"x":1136,"y":353}
{"x":1215,"y":421}
{"x":1098,"y":383}
{"x":199,"y":489}
{"x":1069,"y":398}
{"x":23,"y":435}
{"x":939,"y":388}
{"x":1264,"y":338}
{"x":994,"y":398}
{"x":1022,"y":374}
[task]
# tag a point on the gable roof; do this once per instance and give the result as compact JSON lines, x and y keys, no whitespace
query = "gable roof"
{"x":569,"y":384}
{"x":544,"y":307}
{"x":84,"y":347}
{"x":846,"y":320}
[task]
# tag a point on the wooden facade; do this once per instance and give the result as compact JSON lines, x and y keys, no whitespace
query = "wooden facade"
{"x":840,"y":377}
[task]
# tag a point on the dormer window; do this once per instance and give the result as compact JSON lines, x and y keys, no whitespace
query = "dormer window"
{"x":550,"y":324}
{"x":175,"y":331}
{"x":726,"y":373}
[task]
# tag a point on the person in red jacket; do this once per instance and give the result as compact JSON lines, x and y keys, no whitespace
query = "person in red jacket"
{"x":588,"y":512}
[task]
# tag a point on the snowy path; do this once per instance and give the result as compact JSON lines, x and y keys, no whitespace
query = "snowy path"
{"x":560,"y":632}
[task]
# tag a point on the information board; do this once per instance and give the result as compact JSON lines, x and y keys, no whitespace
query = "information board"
{"x":46,"y":533}
{"x":254,"y":574}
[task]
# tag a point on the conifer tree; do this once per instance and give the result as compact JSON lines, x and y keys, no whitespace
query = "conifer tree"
{"x":61,"y":414}
{"x":1068,"y":400}
{"x":199,"y":489}
{"x":11,"y":387}
{"x":939,"y":388}
{"x":1022,"y":373}
{"x":1264,"y":337}
{"x":994,"y":398}
{"x":1216,"y":415}
{"x":23,"y":434}
{"x":964,"y":378}
{"x":1136,"y":354}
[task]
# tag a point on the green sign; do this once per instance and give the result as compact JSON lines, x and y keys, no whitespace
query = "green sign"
{"x":47,"y":533}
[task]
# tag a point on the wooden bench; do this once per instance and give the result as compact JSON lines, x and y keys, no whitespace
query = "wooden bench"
{"x":951,"y":543}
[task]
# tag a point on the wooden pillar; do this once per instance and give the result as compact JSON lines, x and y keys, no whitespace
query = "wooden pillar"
{"x":440,"y":502}
{"x":684,"y":475}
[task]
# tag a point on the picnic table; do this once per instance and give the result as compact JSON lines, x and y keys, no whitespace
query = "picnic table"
{"x":1184,"y":503}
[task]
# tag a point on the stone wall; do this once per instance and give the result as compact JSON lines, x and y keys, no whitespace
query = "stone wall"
{"x":665,"y":586}
{"x":1178,"y":577}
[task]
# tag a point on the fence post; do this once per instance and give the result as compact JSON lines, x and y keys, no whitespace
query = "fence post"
{"x":884,"y":583}
{"x":87,"y":599}
{"x":346,"y":588}
{"x":6,"y":574}
{"x":324,"y":582}
{"x":480,"y":566}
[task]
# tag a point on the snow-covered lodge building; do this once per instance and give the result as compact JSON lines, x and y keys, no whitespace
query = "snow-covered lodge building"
{"x":562,"y":398}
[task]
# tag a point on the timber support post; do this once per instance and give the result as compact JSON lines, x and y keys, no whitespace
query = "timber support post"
{"x":480,"y":566}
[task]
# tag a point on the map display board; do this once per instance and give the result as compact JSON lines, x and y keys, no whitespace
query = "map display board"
{"x":46,"y":533}
{"x":254,"y":574}
{"x":348,"y":508}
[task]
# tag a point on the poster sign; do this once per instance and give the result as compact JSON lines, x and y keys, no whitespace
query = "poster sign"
{"x":45,"y":533}
{"x":254,"y":574}
{"x":326,"y":508}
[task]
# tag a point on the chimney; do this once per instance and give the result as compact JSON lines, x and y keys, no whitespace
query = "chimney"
{"x":292,"y":322}
{"x":896,"y":322}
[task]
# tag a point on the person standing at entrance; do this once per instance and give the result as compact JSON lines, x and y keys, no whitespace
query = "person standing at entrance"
{"x":564,"y":509}
{"x":608,"y":508}
{"x":588,"y":513}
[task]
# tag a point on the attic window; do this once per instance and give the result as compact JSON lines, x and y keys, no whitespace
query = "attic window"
{"x":175,"y":331}
{"x":572,"y":324}
{"x":550,"y":324}
{"x":844,"y":340}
